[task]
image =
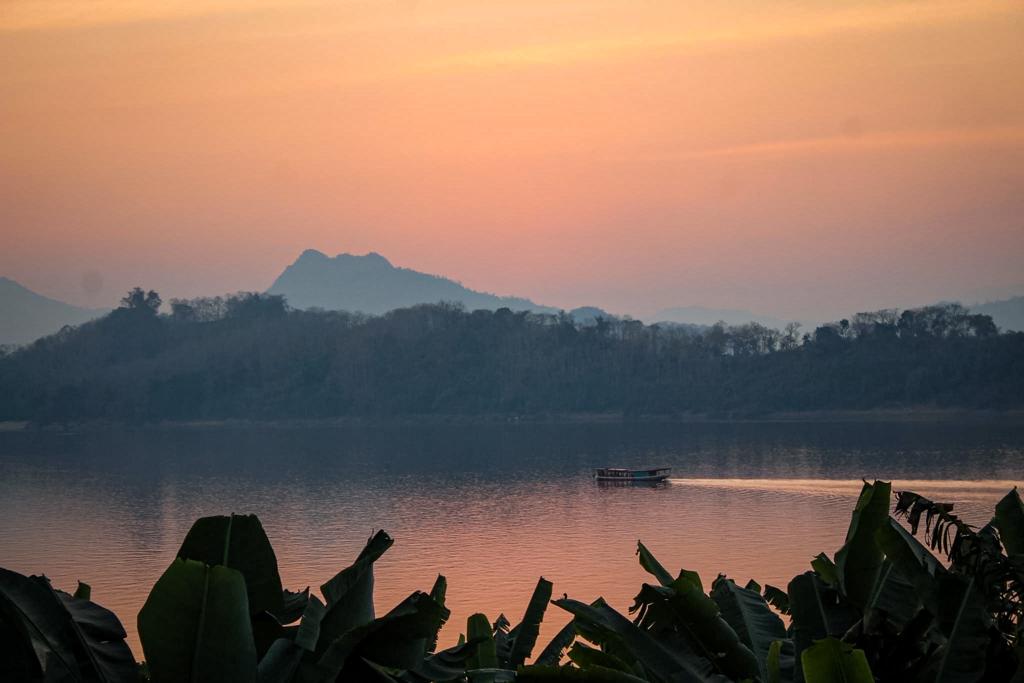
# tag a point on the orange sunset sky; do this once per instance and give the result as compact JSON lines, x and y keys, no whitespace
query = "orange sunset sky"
{"x":800,"y":159}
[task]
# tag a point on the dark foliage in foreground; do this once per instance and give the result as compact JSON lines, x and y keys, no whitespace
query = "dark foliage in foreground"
{"x":249,"y":356}
{"x":883,"y":608}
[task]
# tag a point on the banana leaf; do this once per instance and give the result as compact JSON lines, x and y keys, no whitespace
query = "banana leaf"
{"x":825,"y":569}
{"x":553,"y":651}
{"x":751,"y":618}
{"x":685,"y":609}
{"x":239,"y":542}
{"x":293,"y":604}
{"x":103,"y":637}
{"x":503,"y":637}
{"x":859,"y":561}
{"x":397,"y":640}
{"x":479,"y":629}
{"x":195,"y":625}
{"x":652,"y":566}
{"x":777,"y":598}
{"x":349,"y":594}
{"x":586,"y":657}
{"x":1009,"y":521}
{"x":41,"y":623}
{"x":441,"y":667}
{"x":781,"y":661}
{"x":831,"y":660}
{"x":18,"y":659}
{"x":655,"y":569}
{"x":529,"y":628}
{"x":964,"y":619}
{"x":437,"y":592}
{"x":281,"y":661}
{"x":659,"y":661}
{"x":893,"y":596}
{"x":51,"y":635}
{"x":817,"y":612}
{"x":913,"y":561}
{"x":595,"y":674}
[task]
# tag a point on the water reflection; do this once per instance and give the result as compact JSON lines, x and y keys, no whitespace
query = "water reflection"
{"x":491,"y":507}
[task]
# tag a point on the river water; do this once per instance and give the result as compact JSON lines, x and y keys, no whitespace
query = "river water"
{"x":492,"y":507}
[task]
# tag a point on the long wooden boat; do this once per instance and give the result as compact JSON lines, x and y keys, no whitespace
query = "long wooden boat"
{"x":624,"y":474}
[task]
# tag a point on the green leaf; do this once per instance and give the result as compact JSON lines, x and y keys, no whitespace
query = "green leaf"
{"x":282,"y":659}
{"x":817,"y":611}
{"x":443,"y":666}
{"x":42,"y":623}
{"x":84,"y":591}
{"x":893,"y":596}
{"x":238,"y":542}
{"x":833,"y":661}
{"x":826,"y":569}
{"x":588,"y":658}
{"x":963,"y":618}
{"x":664,"y":663}
{"x":529,"y":627}
{"x":913,"y":561}
{"x":1009,"y":521}
{"x":777,"y":598}
{"x":397,"y":640}
{"x":478,"y":629}
{"x":195,"y":625}
{"x":593,"y":674}
{"x":103,"y":637}
{"x":780,"y":661}
{"x":859,"y":561}
{"x":553,"y":651}
{"x":293,"y":604}
{"x":437,"y":592}
{"x":652,"y":566}
{"x":308,"y":634}
{"x":693,"y":615}
{"x":349,"y":594}
{"x":280,"y":663}
{"x":750,"y":617}
{"x":58,"y":636}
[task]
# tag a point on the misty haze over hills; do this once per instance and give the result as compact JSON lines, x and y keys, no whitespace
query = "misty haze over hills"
{"x":370,"y":284}
{"x":25,"y":316}
{"x":1007,"y":314}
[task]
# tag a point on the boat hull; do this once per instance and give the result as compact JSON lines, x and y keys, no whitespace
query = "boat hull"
{"x":616,"y":474}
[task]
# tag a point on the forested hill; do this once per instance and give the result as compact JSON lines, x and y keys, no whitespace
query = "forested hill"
{"x":249,"y":356}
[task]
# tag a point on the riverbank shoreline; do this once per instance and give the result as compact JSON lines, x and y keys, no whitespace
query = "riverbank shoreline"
{"x":914,"y":415}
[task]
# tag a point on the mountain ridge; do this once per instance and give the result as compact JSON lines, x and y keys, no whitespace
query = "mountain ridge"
{"x":26,"y":315}
{"x":372,"y":284}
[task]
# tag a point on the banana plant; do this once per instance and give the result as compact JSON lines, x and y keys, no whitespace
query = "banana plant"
{"x":49,"y":635}
{"x":885,"y":607}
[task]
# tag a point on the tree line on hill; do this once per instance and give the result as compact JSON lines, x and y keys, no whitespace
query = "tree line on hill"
{"x":251,"y":356}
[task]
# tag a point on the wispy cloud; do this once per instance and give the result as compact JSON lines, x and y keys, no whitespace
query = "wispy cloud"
{"x":1001,"y":135}
{"x":35,"y":15}
{"x":885,"y":17}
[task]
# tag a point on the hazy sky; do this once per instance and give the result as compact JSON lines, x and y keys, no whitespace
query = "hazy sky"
{"x":801,"y":159}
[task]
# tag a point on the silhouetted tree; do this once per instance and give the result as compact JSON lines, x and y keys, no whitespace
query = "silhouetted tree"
{"x":248,"y":355}
{"x":141,"y":301}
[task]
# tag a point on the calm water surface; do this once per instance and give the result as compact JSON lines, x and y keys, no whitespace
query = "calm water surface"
{"x":491,"y":507}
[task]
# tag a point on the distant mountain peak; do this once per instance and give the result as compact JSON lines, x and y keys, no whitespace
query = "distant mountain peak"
{"x":311,"y":255}
{"x":372,"y":284}
{"x":26,"y":315}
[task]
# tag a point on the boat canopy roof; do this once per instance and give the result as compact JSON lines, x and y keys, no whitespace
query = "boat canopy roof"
{"x":630,"y":469}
